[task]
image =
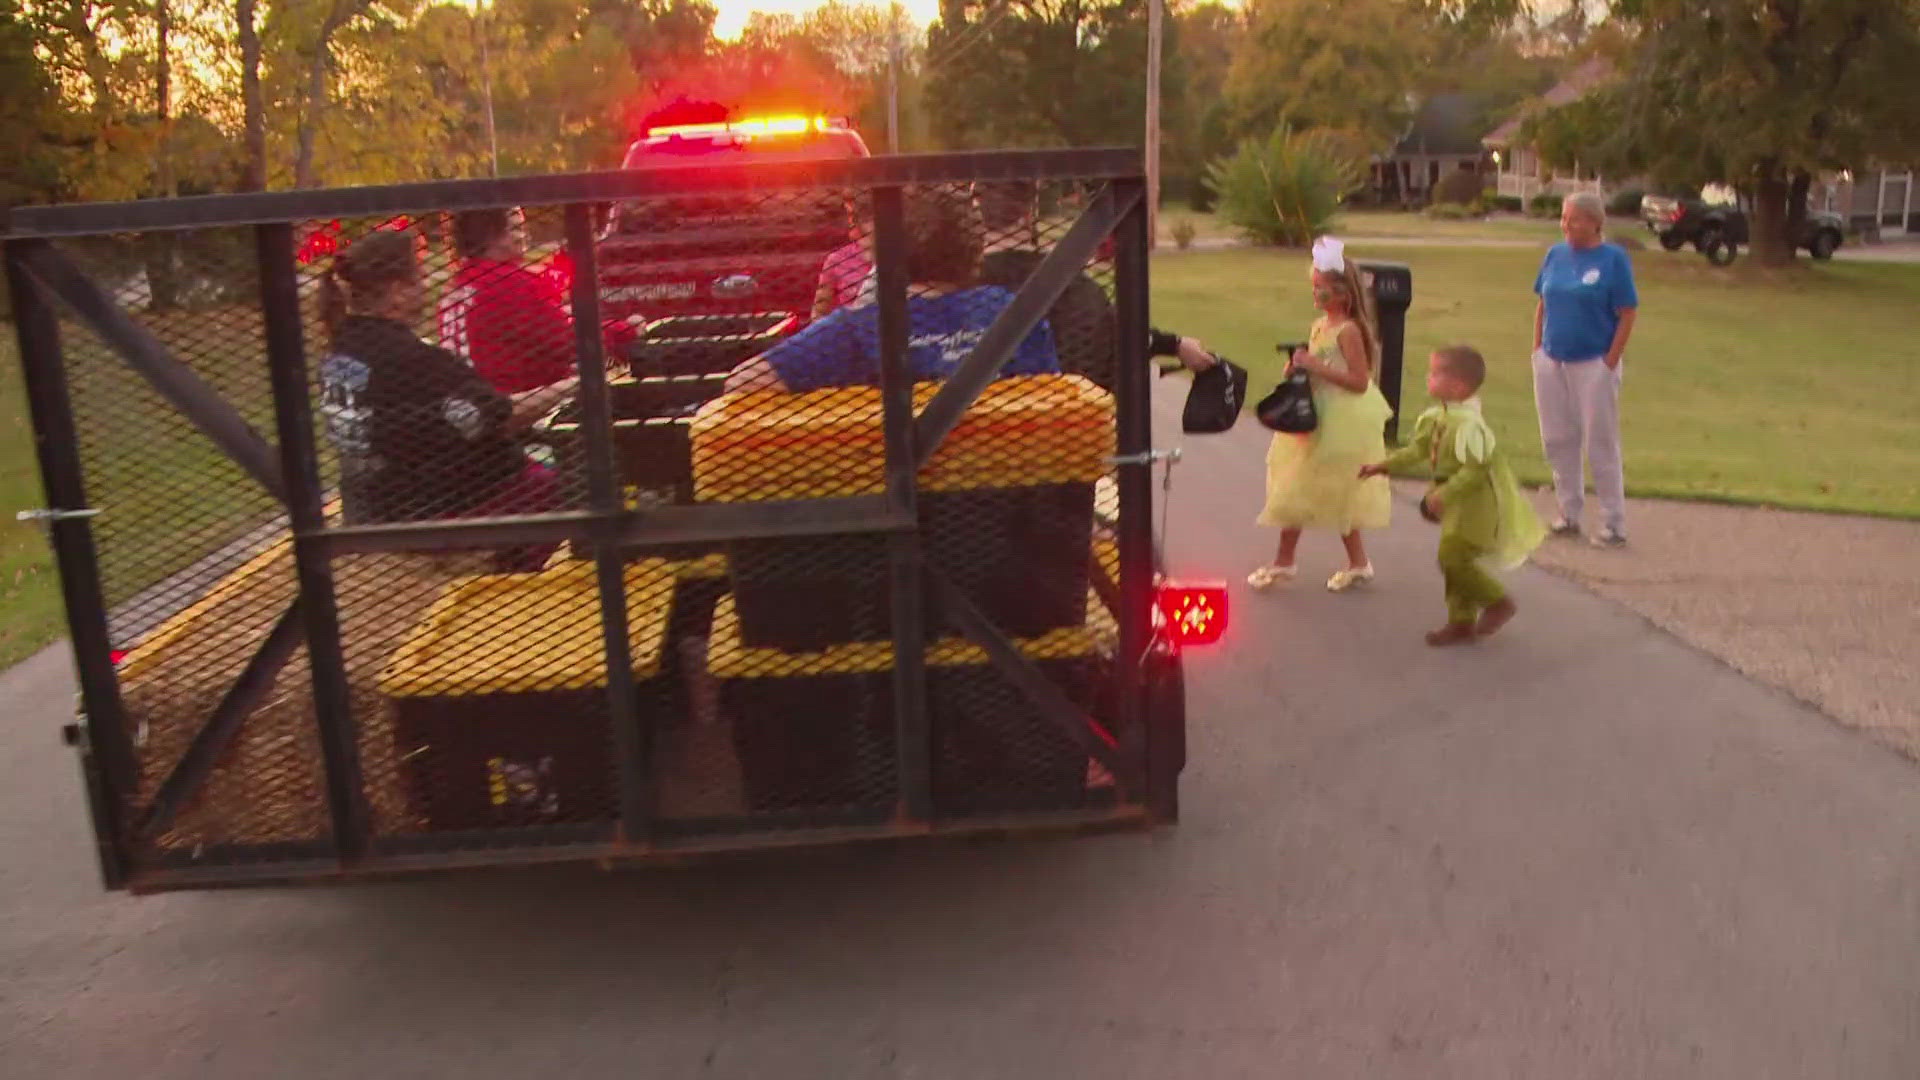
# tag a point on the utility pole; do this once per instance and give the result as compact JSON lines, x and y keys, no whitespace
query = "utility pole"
{"x":1154,"y":14}
{"x":893,"y":79}
{"x":486,"y":77}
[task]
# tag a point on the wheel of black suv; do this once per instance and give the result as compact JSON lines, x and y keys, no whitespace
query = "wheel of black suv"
{"x":1672,"y":241}
{"x":1720,"y":251}
{"x":1825,"y":243}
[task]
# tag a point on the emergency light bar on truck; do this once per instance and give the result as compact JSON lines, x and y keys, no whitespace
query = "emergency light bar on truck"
{"x":762,"y":125}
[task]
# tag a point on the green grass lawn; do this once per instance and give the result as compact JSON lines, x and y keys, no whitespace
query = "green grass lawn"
{"x":168,"y":497}
{"x":1796,"y":389}
{"x":30,"y":612}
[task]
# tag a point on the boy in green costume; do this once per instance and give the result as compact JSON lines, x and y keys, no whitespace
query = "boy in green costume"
{"x":1485,"y":519}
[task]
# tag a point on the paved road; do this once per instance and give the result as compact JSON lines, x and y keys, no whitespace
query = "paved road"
{"x":1582,"y":850}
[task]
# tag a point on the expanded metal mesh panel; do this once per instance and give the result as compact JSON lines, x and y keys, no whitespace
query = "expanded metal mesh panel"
{"x":176,"y":515}
{"x":742,"y":338}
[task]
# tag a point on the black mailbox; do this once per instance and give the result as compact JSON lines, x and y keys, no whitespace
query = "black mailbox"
{"x":1392,"y":295}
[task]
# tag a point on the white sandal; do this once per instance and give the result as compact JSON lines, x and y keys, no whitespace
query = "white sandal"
{"x":1342,"y":580}
{"x":1270,"y":575}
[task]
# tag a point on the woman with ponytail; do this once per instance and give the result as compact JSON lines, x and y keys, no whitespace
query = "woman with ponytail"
{"x":419,"y":434}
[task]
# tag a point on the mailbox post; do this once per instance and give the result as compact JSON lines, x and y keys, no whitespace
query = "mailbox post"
{"x":1392,"y":294}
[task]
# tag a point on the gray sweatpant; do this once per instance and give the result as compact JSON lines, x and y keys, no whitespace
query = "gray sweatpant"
{"x":1579,"y":405}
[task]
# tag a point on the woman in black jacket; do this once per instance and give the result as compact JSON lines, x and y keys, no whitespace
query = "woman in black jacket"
{"x":420,"y":434}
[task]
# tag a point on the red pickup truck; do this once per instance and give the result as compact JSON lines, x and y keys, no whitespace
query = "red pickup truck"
{"x":694,"y":265}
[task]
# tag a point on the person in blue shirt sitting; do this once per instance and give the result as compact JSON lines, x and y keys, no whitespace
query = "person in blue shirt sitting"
{"x":947,"y":313}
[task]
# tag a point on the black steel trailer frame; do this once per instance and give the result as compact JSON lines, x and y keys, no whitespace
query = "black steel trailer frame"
{"x":1145,"y":760}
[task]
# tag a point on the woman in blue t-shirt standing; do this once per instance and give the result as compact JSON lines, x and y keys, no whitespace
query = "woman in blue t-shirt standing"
{"x":1580,"y":331}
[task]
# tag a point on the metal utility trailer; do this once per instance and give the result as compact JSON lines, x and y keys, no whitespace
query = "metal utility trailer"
{"x":237,"y":642}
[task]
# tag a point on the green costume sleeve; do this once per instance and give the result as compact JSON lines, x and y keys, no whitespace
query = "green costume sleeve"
{"x":1420,"y":450}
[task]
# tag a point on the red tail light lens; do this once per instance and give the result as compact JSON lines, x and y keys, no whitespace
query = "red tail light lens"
{"x":1676,"y":213}
{"x":1192,"y":613}
{"x":118,"y":655}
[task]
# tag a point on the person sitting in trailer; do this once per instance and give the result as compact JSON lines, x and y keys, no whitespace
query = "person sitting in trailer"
{"x":420,"y":435}
{"x":1082,"y":318}
{"x":947,"y":314}
{"x":510,"y":323}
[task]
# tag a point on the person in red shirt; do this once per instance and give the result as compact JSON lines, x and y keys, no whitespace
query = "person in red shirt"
{"x":510,"y":323}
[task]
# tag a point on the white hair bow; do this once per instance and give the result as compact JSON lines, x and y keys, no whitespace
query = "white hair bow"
{"x":1329,"y":255}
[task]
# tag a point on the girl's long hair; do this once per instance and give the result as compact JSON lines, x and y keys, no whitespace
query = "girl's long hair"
{"x":371,"y":265}
{"x":1353,"y":286}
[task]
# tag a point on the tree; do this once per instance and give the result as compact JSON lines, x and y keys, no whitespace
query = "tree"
{"x":1764,"y":94}
{"x":1039,"y":73}
{"x":35,"y":125}
{"x":1201,"y":39}
{"x":1339,"y":65}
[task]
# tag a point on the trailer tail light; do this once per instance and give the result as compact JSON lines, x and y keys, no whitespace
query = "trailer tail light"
{"x":1192,"y":613}
{"x":1675,"y":214}
{"x":117,"y":655}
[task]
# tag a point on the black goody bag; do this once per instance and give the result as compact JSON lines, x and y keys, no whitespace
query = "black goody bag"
{"x":1214,"y":401}
{"x":1290,"y":407}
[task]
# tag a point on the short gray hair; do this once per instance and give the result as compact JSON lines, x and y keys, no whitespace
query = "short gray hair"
{"x":1587,"y":204}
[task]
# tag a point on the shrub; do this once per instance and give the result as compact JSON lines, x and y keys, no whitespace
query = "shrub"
{"x":1545,"y":204}
{"x":1286,"y":188}
{"x":1509,"y":204}
{"x":1459,"y":187}
{"x":1625,"y":203}
{"x":1183,"y":231}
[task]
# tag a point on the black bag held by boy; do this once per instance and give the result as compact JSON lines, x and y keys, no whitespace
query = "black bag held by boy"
{"x":1290,"y":407}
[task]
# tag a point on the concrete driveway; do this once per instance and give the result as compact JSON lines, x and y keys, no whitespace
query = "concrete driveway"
{"x":1580,"y":850}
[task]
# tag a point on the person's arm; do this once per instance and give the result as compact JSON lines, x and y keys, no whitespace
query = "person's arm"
{"x":1539,"y":322}
{"x":1356,"y":371}
{"x":756,"y":373}
{"x":824,"y":294}
{"x":1419,"y":451}
{"x":534,"y":404}
{"x":1194,"y":355}
{"x":1621,"y":334}
{"x":1625,"y":298}
{"x":1188,"y":350}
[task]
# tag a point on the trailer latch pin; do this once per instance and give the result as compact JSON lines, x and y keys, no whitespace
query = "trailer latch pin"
{"x":1146,"y":458}
{"x":56,"y":515}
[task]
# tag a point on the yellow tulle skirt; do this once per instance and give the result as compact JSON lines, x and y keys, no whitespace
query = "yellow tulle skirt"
{"x":1313,"y":480}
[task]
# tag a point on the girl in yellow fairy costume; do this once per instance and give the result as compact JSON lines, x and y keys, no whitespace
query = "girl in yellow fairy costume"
{"x":1313,"y":480}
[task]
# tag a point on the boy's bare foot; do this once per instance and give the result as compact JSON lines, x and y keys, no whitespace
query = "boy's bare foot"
{"x":1496,"y":616}
{"x":1451,"y":634}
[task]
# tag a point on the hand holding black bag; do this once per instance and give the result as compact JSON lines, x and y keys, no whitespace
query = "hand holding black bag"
{"x":1217,"y":394}
{"x":1289,"y":408}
